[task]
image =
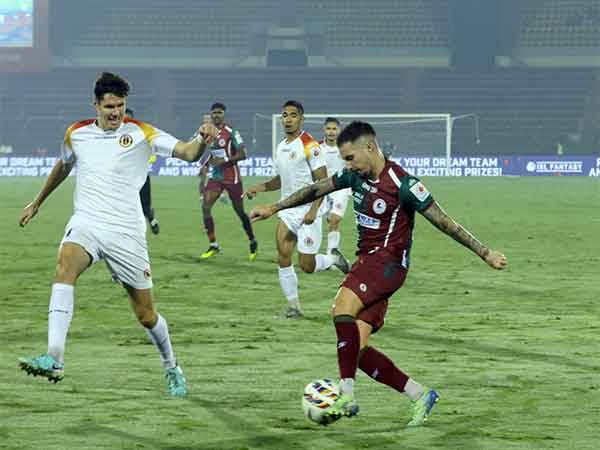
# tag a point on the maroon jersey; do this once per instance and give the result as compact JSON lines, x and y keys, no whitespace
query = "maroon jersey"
{"x":385,"y":208}
{"x":229,"y":140}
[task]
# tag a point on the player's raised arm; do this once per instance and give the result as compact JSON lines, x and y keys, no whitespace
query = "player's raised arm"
{"x":193,"y":149}
{"x":305,"y":195}
{"x":442,"y":221}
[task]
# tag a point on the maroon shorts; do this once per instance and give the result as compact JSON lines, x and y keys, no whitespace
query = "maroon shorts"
{"x":374,"y":278}
{"x":235,"y":191}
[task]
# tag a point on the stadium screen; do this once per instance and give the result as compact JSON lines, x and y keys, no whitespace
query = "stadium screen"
{"x":23,"y":35}
{"x":16,"y":23}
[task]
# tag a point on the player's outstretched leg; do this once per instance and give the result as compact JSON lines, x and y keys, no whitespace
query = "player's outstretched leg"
{"x":176,"y":382}
{"x":253,"y":250}
{"x":325,"y":261}
{"x":159,"y":335}
{"x":60,"y":312}
{"x":340,"y":262}
{"x":43,"y":366}
{"x":422,"y":407}
{"x":383,"y":370}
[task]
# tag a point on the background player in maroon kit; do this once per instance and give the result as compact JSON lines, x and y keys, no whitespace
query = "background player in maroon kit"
{"x":385,"y":201}
{"x":227,"y":149}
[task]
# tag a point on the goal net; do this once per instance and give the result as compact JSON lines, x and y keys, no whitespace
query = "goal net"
{"x":398,"y":135}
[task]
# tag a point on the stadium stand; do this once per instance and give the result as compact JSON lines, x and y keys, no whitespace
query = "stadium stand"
{"x":378,"y":23}
{"x":146,"y":23}
{"x":520,"y":110}
{"x":560,"y":23}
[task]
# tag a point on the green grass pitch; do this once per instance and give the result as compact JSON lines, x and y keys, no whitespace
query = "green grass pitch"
{"x":515,"y":355}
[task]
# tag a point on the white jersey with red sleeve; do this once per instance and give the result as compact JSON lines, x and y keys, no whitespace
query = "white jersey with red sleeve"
{"x":295,"y":161}
{"x":111,"y":167}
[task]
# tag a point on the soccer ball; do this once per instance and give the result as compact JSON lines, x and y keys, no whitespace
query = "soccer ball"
{"x":318,"y":397}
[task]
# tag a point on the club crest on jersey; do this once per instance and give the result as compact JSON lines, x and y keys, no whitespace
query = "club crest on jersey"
{"x":293,"y":155}
{"x":308,"y":241}
{"x":125,"y":141}
{"x":379,"y":206}
{"x":221,"y":142}
{"x":147,"y":274}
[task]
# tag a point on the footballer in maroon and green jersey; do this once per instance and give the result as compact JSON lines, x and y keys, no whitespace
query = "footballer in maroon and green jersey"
{"x":226,"y":150}
{"x":385,"y":201}
{"x":230,"y":142}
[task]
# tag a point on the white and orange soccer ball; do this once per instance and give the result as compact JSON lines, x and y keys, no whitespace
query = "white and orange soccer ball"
{"x":318,"y":397}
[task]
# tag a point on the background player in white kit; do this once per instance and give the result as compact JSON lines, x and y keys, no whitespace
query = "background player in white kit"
{"x":110,"y":153}
{"x":298,"y":162}
{"x":337,"y":201}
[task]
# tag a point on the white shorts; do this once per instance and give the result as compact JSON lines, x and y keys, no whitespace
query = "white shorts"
{"x":308,"y":236}
{"x":337,"y":202}
{"x":126,"y":255}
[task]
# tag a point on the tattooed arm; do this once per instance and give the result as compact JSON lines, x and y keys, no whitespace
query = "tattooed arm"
{"x":443,"y":222}
{"x":305,"y":195}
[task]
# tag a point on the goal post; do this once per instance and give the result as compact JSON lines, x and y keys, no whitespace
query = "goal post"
{"x":399,"y":135}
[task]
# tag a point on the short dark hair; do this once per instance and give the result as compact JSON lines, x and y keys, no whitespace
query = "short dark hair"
{"x":331,"y":119}
{"x":295,"y":104}
{"x":109,"y":83}
{"x":218,"y":105}
{"x":354,"y":131}
{"x":130,"y":112}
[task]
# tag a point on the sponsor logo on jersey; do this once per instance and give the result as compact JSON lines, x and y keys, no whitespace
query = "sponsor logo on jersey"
{"x":147,"y":274}
{"x":293,"y":155}
{"x":419,"y":191}
{"x":367,"y":221}
{"x":125,"y":141}
{"x":238,"y":136}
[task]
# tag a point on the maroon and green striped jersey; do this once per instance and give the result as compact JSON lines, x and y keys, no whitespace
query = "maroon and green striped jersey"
{"x":230,"y":141}
{"x":385,"y":208}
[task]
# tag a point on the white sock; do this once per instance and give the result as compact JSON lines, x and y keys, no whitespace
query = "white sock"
{"x":323,"y":262}
{"x":159,"y":335}
{"x":413,"y":390}
{"x":346,"y":386}
{"x":289,"y":285}
{"x":60,"y":313}
{"x":333,"y":240}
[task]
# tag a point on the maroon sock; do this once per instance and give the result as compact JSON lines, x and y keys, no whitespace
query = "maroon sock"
{"x":348,"y":344}
{"x":382,"y":369}
{"x":209,"y":224}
